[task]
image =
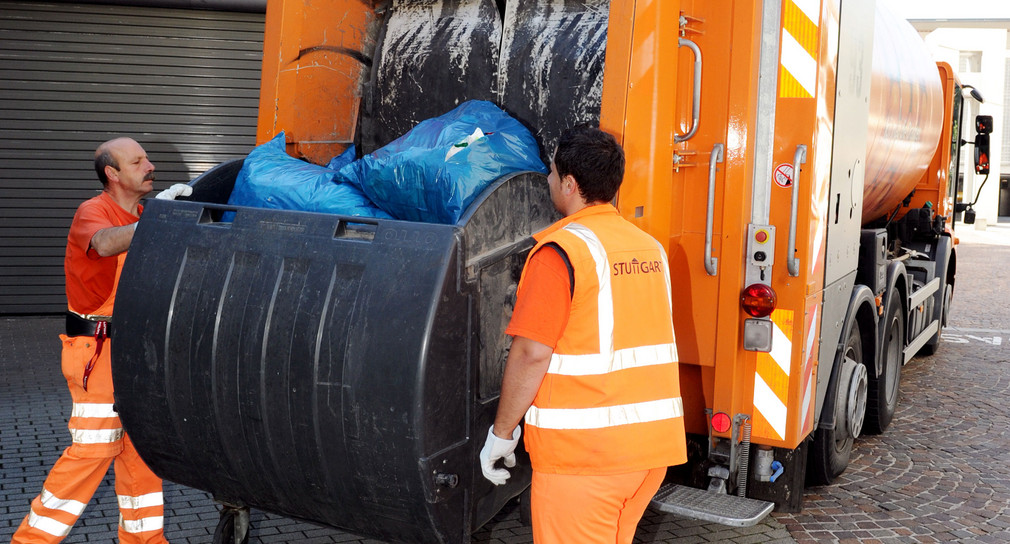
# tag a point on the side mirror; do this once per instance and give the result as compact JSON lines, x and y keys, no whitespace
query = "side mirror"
{"x":983,"y":127}
{"x":982,"y":154}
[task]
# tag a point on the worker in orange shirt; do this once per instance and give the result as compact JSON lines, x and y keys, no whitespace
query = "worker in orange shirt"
{"x":99,"y":236}
{"x":593,"y":363}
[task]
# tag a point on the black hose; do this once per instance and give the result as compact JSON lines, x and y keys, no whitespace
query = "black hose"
{"x":979,"y":193}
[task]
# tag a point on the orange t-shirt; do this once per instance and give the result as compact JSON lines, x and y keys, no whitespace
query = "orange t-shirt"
{"x":91,"y":278}
{"x":544,"y":301}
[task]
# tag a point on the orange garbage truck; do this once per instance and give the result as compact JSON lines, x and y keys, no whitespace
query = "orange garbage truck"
{"x":796,"y":158}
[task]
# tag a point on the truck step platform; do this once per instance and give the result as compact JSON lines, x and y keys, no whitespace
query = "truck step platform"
{"x":710,"y":506}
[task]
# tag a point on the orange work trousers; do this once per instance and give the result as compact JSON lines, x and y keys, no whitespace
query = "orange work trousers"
{"x":591,"y":509}
{"x":98,"y":441}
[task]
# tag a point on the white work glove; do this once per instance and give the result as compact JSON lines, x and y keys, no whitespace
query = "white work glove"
{"x":494,"y":449}
{"x":177,"y":190}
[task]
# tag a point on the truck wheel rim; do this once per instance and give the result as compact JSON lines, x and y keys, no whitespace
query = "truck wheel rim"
{"x":856,"y":412}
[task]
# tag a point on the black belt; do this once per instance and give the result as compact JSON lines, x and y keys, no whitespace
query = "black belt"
{"x":78,"y":326}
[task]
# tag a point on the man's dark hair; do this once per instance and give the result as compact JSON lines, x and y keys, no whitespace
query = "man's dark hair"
{"x":102,"y":160}
{"x":594,"y":159}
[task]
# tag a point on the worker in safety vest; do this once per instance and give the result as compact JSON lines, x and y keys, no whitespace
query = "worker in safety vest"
{"x":593,"y":363}
{"x":100,"y":234}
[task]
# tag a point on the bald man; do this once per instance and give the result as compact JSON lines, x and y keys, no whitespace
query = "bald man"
{"x":99,"y":236}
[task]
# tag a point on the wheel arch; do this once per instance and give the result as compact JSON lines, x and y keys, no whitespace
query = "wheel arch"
{"x":860,"y":313}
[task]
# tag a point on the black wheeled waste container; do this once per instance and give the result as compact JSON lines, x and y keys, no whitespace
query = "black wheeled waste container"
{"x":338,"y":370}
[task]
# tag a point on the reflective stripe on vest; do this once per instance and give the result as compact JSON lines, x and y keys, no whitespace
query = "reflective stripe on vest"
{"x":605,"y":299}
{"x":596,"y":363}
{"x":605,"y":416}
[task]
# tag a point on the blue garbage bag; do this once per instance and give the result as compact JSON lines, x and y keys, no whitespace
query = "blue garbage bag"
{"x":347,"y":157}
{"x":270,"y":178}
{"x":436,"y":170}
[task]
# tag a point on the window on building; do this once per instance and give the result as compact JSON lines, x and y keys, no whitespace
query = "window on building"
{"x":1005,"y":148}
{"x":971,"y":61}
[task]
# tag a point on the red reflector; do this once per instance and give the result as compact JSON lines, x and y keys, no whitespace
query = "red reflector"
{"x":758,"y":300}
{"x":720,"y":423}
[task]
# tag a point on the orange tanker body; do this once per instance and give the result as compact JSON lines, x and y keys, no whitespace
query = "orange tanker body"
{"x":906,"y":116}
{"x":794,"y":157}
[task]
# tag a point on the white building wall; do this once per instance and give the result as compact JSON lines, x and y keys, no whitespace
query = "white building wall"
{"x":947,"y":44}
{"x":990,"y":79}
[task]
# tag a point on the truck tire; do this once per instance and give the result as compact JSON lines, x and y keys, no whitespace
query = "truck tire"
{"x":931,"y":346}
{"x":883,"y":391}
{"x":832,"y":448}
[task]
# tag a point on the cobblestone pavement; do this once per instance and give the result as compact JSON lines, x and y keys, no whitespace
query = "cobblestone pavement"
{"x":939,"y":474}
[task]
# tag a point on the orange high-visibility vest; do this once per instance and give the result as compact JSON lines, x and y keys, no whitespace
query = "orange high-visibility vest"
{"x":610,"y":402}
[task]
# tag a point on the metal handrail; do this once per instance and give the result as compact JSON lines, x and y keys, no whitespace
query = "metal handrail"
{"x":696,"y":106}
{"x":792,"y":262}
{"x":711,"y":263}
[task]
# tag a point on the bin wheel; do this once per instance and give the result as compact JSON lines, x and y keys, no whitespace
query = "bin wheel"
{"x":233,"y":527}
{"x":525,"y":510}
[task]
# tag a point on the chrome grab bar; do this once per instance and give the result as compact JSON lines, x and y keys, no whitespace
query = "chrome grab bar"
{"x":711,"y":263}
{"x":696,"y":106}
{"x":793,"y":263}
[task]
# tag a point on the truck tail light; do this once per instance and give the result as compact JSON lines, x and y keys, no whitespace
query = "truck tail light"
{"x":758,"y":300}
{"x":721,"y":422}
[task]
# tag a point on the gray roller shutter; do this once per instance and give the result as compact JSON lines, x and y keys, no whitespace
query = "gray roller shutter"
{"x":183,"y":83}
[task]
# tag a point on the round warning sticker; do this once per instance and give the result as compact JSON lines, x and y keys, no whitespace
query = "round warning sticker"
{"x":783,"y":175}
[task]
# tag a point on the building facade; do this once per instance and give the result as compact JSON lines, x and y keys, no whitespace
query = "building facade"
{"x":974,"y":38}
